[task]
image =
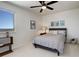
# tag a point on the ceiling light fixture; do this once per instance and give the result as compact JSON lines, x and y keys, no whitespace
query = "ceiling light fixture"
{"x":43,"y":7}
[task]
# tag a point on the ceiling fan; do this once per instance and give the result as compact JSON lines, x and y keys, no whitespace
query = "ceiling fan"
{"x":45,"y":5}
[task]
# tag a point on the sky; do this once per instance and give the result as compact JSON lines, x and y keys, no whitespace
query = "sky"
{"x":6,"y":20}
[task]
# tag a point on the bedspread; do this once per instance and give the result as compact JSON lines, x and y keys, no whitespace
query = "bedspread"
{"x":51,"y":41}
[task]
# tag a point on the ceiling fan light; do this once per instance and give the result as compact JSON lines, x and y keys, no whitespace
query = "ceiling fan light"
{"x":43,"y":7}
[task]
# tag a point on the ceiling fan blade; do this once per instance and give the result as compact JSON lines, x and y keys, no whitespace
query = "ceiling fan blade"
{"x":35,"y":6}
{"x":52,"y":2}
{"x":42,"y":2}
{"x":41,"y":10}
{"x":50,"y":8}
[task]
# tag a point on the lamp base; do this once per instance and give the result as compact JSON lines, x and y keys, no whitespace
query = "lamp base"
{"x":42,"y":33}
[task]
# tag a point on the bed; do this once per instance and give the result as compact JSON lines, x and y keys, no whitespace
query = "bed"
{"x":52,"y":42}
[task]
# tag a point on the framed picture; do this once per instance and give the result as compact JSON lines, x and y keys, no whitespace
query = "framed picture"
{"x":55,"y":23}
{"x":52,"y":23}
{"x":32,"y":24}
{"x":62,"y":23}
{"x":58,"y":23}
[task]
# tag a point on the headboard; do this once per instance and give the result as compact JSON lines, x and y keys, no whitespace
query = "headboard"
{"x":64,"y":29}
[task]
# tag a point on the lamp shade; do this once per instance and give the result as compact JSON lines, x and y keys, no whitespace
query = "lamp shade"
{"x":44,"y":29}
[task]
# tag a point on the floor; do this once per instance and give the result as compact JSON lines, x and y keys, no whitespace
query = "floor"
{"x":71,"y":50}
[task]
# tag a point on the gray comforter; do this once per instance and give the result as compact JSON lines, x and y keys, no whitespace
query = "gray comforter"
{"x":51,"y":41}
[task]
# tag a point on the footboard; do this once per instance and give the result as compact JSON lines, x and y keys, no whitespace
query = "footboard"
{"x":47,"y":48}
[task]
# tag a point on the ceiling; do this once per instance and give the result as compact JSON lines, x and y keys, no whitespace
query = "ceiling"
{"x":58,"y":7}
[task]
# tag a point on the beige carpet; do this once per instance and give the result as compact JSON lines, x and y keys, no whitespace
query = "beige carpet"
{"x":71,"y":50}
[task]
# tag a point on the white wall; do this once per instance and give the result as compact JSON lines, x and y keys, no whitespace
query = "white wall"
{"x":71,"y":18}
{"x":22,"y":33}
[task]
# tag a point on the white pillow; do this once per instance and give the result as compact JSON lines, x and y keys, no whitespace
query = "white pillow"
{"x":53,"y":32}
{"x":61,"y":32}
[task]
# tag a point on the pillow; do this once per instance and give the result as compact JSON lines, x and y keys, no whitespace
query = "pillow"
{"x":53,"y":32}
{"x":61,"y":32}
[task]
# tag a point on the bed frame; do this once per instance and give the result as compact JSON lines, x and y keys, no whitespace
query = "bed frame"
{"x":47,"y":48}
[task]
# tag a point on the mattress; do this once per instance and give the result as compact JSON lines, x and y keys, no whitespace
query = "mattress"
{"x":51,"y":41}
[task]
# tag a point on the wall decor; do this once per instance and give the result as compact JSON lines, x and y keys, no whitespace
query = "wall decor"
{"x":58,"y":23}
{"x":55,"y":23}
{"x":32,"y":24}
{"x":62,"y":23}
{"x":52,"y":23}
